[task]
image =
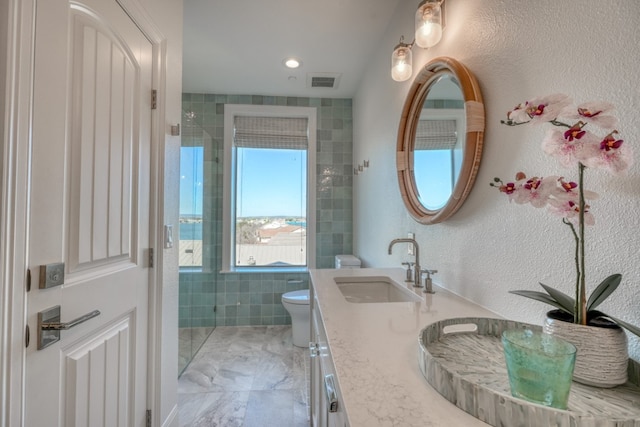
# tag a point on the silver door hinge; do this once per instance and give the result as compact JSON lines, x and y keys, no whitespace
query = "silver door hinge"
{"x":148,"y":417}
{"x":150,"y":257}
{"x":154,"y":99}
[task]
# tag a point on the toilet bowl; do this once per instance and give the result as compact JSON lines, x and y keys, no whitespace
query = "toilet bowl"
{"x":297,"y":304}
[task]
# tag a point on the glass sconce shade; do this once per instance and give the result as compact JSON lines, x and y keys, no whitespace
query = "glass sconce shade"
{"x":428,"y":24}
{"x":401,"y":67}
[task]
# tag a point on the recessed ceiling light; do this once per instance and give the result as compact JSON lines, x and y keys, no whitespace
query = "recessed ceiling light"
{"x":292,"y":62}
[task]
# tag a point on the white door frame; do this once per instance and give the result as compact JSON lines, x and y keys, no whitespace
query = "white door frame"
{"x":16,"y":73}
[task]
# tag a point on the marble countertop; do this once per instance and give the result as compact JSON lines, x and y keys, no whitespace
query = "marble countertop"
{"x":375,"y":352}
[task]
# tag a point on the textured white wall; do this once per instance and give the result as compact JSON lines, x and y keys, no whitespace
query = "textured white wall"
{"x":517,"y":50}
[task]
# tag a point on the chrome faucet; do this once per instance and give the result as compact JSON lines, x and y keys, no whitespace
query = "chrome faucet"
{"x":416,"y":267}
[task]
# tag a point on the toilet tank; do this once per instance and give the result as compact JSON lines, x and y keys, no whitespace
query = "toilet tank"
{"x":347,"y":261}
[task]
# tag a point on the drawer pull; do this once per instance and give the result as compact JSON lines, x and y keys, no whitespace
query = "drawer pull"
{"x":332,"y":396}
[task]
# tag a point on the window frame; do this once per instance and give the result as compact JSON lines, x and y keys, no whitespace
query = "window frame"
{"x":230,"y":178}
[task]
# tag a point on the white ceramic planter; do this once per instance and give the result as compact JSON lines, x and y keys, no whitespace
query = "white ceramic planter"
{"x":602,"y":358}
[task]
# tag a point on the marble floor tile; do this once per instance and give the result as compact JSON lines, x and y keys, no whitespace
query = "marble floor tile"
{"x":276,"y":373}
{"x":271,"y":408}
{"x":301,"y":416}
{"x":189,"y":341}
{"x":278,"y":341}
{"x":223,"y":409}
{"x":246,"y":376}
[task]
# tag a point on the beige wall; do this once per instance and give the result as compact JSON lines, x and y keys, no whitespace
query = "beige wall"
{"x":517,"y":50}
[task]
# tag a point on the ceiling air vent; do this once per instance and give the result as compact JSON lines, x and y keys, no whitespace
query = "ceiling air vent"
{"x":323,"y":80}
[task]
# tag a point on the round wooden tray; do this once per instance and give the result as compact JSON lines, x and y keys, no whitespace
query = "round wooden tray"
{"x":462,"y":358}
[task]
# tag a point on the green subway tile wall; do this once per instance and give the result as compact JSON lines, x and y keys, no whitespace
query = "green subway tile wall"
{"x":254,"y":298}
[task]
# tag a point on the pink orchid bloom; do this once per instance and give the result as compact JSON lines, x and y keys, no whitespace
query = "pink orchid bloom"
{"x":612,"y":155}
{"x":575,"y":132}
{"x":596,"y":113}
{"x":569,"y":191}
{"x":537,"y":191}
{"x":567,"y":186}
{"x":610,"y":142}
{"x":539,"y":110}
{"x":508,"y":188}
{"x":570,"y":209}
{"x":570,"y":147}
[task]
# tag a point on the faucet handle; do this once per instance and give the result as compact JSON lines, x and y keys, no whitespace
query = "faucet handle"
{"x":409,"y":276}
{"x":428,"y":284}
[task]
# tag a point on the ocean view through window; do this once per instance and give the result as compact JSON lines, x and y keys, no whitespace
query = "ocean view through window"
{"x":271,"y":207}
{"x":268,"y":155}
{"x":191,"y":203}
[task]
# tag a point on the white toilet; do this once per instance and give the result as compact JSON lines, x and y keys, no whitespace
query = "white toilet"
{"x":347,"y":261}
{"x":297,"y":304}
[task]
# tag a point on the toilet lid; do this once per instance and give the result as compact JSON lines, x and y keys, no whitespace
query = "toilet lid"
{"x":297,"y":297}
{"x":348,"y":260}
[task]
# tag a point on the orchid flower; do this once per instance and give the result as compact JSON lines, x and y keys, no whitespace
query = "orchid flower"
{"x":570,"y":209}
{"x":539,"y":110}
{"x":596,"y":113}
{"x":573,"y":143}
{"x":611,"y":154}
{"x":570,"y":147}
{"x":537,"y":191}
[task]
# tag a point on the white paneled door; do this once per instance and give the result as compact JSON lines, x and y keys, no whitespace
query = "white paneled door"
{"x":89,"y":201}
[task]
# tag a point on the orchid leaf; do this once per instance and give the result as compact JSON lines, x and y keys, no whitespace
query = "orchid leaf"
{"x":633,"y":329}
{"x":539,"y":296}
{"x":565,"y":301}
{"x":603,"y":291}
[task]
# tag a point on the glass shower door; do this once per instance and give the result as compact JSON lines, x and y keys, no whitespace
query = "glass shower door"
{"x":197,"y":285}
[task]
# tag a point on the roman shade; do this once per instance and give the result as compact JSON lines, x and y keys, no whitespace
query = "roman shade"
{"x":436,"y":135}
{"x":271,"y":132}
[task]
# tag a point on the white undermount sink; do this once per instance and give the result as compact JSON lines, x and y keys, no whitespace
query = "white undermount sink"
{"x":374,"y":289}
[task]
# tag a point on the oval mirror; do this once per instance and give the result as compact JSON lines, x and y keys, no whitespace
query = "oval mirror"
{"x":440,"y":140}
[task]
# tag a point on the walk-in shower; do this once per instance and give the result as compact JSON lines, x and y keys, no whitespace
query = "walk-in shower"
{"x":199,"y":172}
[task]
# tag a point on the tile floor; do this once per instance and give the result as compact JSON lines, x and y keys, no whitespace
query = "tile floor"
{"x":246,"y":376}
{"x":189,"y":342}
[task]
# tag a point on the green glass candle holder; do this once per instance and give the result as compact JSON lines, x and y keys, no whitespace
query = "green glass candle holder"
{"x":540,"y":366}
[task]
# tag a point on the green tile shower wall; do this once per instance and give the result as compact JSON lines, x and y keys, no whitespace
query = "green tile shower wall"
{"x":254,"y":298}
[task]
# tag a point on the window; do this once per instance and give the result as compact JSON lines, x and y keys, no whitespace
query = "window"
{"x":269,"y":191}
{"x":191,"y":201}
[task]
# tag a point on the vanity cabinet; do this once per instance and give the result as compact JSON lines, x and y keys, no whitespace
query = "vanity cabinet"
{"x":327,"y":409}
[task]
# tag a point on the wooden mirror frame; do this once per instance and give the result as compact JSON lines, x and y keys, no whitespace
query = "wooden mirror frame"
{"x":472,"y":151}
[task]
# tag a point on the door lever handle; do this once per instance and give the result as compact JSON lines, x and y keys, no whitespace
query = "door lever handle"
{"x":49,"y":325}
{"x":58,"y":326}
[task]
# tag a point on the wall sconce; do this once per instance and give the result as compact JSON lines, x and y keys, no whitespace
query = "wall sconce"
{"x":429,"y":23}
{"x":401,"y":63}
{"x":428,"y":33}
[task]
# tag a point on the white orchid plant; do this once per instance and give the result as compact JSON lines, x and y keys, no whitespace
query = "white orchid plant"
{"x":573,"y":145}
